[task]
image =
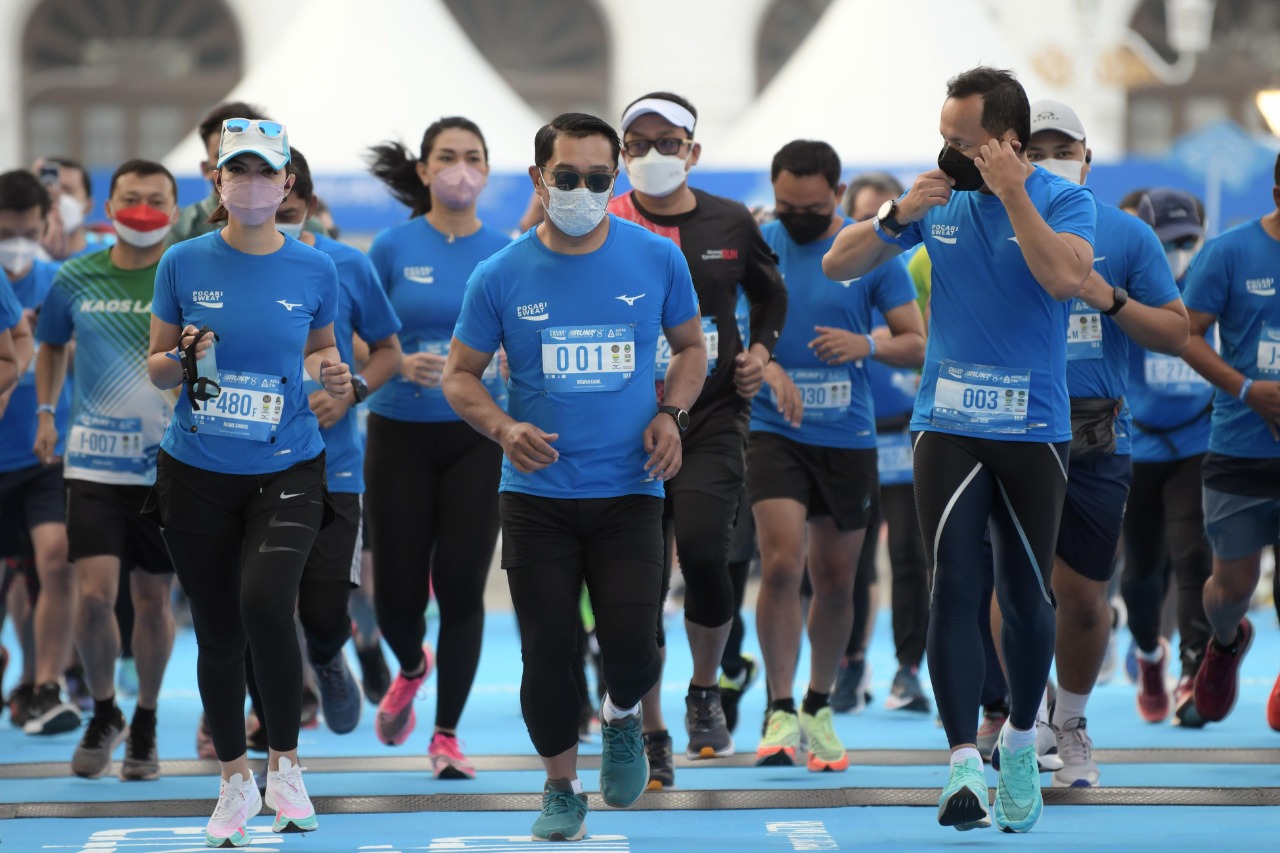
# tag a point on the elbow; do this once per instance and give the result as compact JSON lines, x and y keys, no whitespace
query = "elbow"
{"x":917,"y":353}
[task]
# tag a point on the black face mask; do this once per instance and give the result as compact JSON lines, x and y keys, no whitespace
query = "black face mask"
{"x":805,"y":227}
{"x":960,"y":169}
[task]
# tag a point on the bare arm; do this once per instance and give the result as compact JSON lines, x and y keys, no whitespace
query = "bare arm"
{"x":1162,"y":328}
{"x":1264,"y":394}
{"x":24,"y":344}
{"x":856,"y":251}
{"x":685,"y":375}
{"x":51,"y":373}
{"x":165,"y":372}
{"x":383,"y":362}
{"x":324,"y":364}
{"x":9,"y":372}
{"x":906,"y":346}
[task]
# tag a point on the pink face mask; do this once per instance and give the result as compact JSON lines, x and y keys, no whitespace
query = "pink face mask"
{"x":252,"y":199}
{"x":457,"y":186}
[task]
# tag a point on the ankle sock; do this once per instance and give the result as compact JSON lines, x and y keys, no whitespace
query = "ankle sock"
{"x":612,"y":713}
{"x":1069,"y":706}
{"x":788,"y":705}
{"x":1015,"y":739}
{"x":815,"y":702}
{"x":572,"y":785}
{"x":965,"y":753}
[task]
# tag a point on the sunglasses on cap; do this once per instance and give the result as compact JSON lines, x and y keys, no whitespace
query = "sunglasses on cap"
{"x":566,"y":179}
{"x":269,"y":129}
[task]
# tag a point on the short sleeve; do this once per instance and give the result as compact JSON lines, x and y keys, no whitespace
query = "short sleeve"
{"x":372,"y":315}
{"x":1207,"y":281}
{"x":479,"y":325}
{"x":164,"y":300}
{"x":1073,"y":212}
{"x":681,"y":303}
{"x":10,"y":307}
{"x":380,"y":257}
{"x":327,"y":308}
{"x":56,"y":323}
{"x":893,"y":286}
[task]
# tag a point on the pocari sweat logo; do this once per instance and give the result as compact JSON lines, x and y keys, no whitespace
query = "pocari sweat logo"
{"x":945,"y":234}
{"x":1261,"y":286}
{"x":422,"y":275}
{"x":207,"y":298}
{"x":534,"y":311}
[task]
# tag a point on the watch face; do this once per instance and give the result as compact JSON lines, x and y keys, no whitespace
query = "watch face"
{"x":682,"y":419}
{"x":886,"y":210}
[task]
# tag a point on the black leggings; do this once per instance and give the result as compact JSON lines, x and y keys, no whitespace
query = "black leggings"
{"x":239,"y":550}
{"x":432,"y":493}
{"x":550,"y":546}
{"x":962,"y":485}
{"x":866,"y":576}
{"x":1163,"y":535}
{"x":742,"y":550}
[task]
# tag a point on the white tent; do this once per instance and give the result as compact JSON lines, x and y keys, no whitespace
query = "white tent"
{"x":345,"y":76}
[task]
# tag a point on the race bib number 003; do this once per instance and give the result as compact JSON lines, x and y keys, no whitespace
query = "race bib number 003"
{"x":981,"y":398}
{"x":588,"y":358}
{"x":250,"y":407}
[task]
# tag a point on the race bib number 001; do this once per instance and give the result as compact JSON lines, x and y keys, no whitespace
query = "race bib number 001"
{"x":981,"y":398}
{"x":588,"y":358}
{"x":250,"y":407}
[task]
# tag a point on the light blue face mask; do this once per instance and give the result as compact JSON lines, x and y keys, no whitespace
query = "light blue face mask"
{"x":293,"y":230}
{"x":576,"y":212}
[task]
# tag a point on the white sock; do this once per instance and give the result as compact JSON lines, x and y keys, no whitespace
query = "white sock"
{"x":1043,"y":712}
{"x":1069,"y":706}
{"x":612,"y":713}
{"x":965,"y":753}
{"x":1015,"y":739}
{"x":1151,"y":657}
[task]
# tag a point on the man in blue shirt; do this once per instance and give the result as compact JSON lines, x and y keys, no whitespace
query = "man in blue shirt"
{"x":1011,"y":245}
{"x":578,"y":304}
{"x":1233,"y":283}
{"x":1130,"y":294}
{"x":31,"y":493}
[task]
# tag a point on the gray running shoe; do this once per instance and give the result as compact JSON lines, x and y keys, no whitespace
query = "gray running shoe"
{"x":92,"y":758}
{"x":662,"y":772}
{"x":708,"y":730}
{"x":49,"y":715}
{"x":141,"y":759}
{"x":340,"y":695}
{"x":906,"y":693}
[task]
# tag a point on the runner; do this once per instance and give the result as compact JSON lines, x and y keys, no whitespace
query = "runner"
{"x":992,"y":421}
{"x":579,"y":303}
{"x":438,"y":536}
{"x":240,"y":488}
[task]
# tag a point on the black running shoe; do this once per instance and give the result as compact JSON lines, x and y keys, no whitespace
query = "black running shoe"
{"x":662,"y":772}
{"x":374,"y":673}
{"x":50,"y":715}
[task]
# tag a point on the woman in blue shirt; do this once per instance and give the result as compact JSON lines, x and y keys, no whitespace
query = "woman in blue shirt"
{"x":438,"y":536}
{"x":240,"y":483}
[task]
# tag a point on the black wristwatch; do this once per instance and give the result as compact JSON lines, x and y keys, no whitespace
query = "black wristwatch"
{"x":1121,"y":297}
{"x":359,"y":389}
{"x":887,"y":218}
{"x":681,"y":416}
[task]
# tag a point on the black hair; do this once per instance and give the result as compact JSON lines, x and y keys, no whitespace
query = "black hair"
{"x":68,"y":163}
{"x":303,"y":187}
{"x":577,"y":126}
{"x":392,"y":163}
{"x":879,"y":181}
{"x":142,"y":168}
{"x":1004,"y":101}
{"x":1277,"y":175}
{"x":673,"y":98}
{"x":1131,"y":199}
{"x":803,"y":157}
{"x":211,"y":124}
{"x":20,"y":190}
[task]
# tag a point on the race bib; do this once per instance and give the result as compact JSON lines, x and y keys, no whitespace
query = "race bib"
{"x":981,"y":398}
{"x":826,"y":393}
{"x":894,"y":449}
{"x":250,"y":406}
{"x":107,"y":444}
{"x":1170,"y":376}
{"x":1269,"y":349}
{"x":588,"y":358}
{"x":1084,"y":331}
{"x":710,"y":336}
{"x":492,"y":376}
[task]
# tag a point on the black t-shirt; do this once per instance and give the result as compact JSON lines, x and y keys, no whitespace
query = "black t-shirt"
{"x":725,"y":251}
{"x":1238,"y":475}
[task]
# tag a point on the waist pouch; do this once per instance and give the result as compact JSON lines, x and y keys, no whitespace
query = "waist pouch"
{"x":1093,"y":426}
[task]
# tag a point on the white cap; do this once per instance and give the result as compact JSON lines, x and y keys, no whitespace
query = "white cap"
{"x":268,"y":139}
{"x":669,"y":110}
{"x":1055,"y":115}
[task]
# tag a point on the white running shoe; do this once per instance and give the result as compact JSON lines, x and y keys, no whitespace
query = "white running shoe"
{"x":288,"y":796}
{"x":238,"y":801}
{"x":1076,"y":749}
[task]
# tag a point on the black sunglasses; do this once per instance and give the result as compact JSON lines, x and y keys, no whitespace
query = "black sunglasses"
{"x":666,"y":146}
{"x":566,"y":179}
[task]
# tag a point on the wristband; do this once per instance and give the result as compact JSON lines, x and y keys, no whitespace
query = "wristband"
{"x":45,"y":409}
{"x":1244,"y":390}
{"x":872,"y":342}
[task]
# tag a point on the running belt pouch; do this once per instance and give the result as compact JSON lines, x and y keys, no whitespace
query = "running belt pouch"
{"x":1093,"y":426}
{"x":199,"y":388}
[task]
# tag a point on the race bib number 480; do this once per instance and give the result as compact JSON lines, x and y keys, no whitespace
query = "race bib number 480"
{"x":250,"y":407}
{"x":588,"y":358}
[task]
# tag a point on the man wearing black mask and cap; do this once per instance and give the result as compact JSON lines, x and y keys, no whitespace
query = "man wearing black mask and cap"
{"x":992,"y":419}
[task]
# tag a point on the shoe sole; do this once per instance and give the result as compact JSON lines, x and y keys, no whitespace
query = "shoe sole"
{"x":964,"y":811}
{"x":65,"y":720}
{"x":560,"y":836}
{"x":817,"y":765}
{"x":917,"y":705}
{"x":659,"y":785}
{"x":399,"y":737}
{"x":450,"y":772}
{"x":783,"y":756}
{"x":292,"y":826}
{"x":139,"y":772}
{"x":226,"y":843}
{"x":708,"y":752}
{"x":106,"y":766}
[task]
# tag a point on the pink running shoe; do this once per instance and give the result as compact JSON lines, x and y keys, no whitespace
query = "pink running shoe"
{"x":238,"y":802}
{"x":447,"y":760}
{"x":288,"y":796}
{"x":396,"y":719}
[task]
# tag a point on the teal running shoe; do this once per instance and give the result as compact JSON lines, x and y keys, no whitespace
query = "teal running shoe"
{"x":963,"y":803}
{"x":563,"y":816}
{"x":624,"y":766}
{"x":1018,"y":800}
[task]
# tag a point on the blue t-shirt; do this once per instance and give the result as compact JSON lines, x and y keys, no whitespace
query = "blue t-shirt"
{"x":425,"y":274}
{"x":10,"y":308}
{"x":995,"y":363}
{"x":838,"y":410}
{"x":1234,"y":278}
{"x":118,"y":417}
{"x":364,"y":309}
{"x":1128,"y":254}
{"x":18,"y":425}
{"x":893,"y":389}
{"x":262,"y":308}
{"x":581,"y":333}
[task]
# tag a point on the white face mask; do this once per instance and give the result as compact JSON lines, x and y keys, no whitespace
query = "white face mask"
{"x":576,"y":212}
{"x":655,"y":174}
{"x":1179,"y":260}
{"x":72,"y":212}
{"x":291,"y":229}
{"x":1069,"y":169}
{"x":17,"y":254}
